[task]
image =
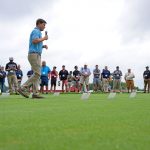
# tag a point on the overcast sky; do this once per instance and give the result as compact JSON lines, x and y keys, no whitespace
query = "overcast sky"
{"x":80,"y":31}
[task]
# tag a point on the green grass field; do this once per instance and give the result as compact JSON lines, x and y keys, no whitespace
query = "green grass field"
{"x":68,"y":123}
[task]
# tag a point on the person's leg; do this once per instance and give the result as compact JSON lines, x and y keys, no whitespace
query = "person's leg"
{"x":81,"y":83}
{"x":42,"y":89}
{"x":148,"y":85}
{"x":104,"y":89}
{"x":54,"y":87}
{"x":120,"y":87}
{"x":145,"y":85}
{"x":1,"y":87}
{"x":15,"y":82}
{"x":10,"y":84}
{"x":46,"y":89}
{"x":127,"y":83}
{"x":132,"y":86}
{"x":35,"y":61}
{"x":87,"y":83}
{"x":81,"y":86}
{"x":114,"y":85}
{"x":94,"y":84}
{"x":62,"y":85}
{"x":66,"y":85}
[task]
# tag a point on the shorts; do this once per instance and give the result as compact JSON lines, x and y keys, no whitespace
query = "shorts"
{"x":53,"y":82}
{"x":96,"y":81}
{"x":84,"y":79}
{"x":65,"y":82}
{"x":44,"y":81}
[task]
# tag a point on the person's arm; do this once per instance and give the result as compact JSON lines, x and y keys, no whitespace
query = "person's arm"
{"x":7,"y":68}
{"x":36,"y":37}
{"x":15,"y":67}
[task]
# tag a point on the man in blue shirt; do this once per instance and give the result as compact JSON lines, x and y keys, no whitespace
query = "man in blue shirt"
{"x":45,"y":76}
{"x":105,"y":79}
{"x":2,"y":78}
{"x":34,"y":57}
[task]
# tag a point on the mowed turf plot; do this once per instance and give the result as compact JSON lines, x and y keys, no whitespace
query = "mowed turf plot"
{"x":66,"y":122}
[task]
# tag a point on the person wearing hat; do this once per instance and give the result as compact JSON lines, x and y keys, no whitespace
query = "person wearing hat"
{"x":117,"y":80}
{"x":11,"y":68}
{"x":54,"y":75}
{"x":76,"y":78}
{"x":63,"y":76}
{"x":34,"y":57}
{"x":146,"y":77}
{"x":96,"y":79}
{"x":84,"y":79}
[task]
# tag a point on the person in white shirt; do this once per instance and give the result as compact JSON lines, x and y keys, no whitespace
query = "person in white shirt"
{"x":85,"y":73}
{"x":129,"y":76}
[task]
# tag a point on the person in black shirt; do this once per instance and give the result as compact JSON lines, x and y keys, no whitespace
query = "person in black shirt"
{"x":11,"y":67}
{"x":19,"y":75}
{"x":76,"y":78}
{"x":146,"y":76}
{"x":63,"y":75}
{"x":30,"y":73}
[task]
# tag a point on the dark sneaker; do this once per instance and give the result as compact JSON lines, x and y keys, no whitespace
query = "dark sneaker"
{"x":37,"y":96}
{"x":23,"y":93}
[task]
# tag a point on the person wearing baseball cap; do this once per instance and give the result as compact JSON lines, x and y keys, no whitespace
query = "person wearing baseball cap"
{"x":11,"y":68}
{"x":146,"y":77}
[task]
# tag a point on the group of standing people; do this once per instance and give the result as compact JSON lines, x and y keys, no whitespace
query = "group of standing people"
{"x":79,"y":78}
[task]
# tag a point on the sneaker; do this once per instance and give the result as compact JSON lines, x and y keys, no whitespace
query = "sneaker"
{"x":23,"y":93}
{"x":37,"y":96}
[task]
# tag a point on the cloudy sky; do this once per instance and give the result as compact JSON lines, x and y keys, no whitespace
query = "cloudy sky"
{"x":80,"y":31}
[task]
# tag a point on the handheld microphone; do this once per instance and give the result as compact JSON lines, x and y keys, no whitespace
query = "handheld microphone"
{"x":45,"y":32}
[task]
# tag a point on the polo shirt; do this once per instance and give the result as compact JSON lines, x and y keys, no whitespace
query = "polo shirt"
{"x":45,"y":70}
{"x":146,"y":74}
{"x":63,"y":74}
{"x":105,"y":74}
{"x":35,"y":48}
{"x":10,"y":66}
